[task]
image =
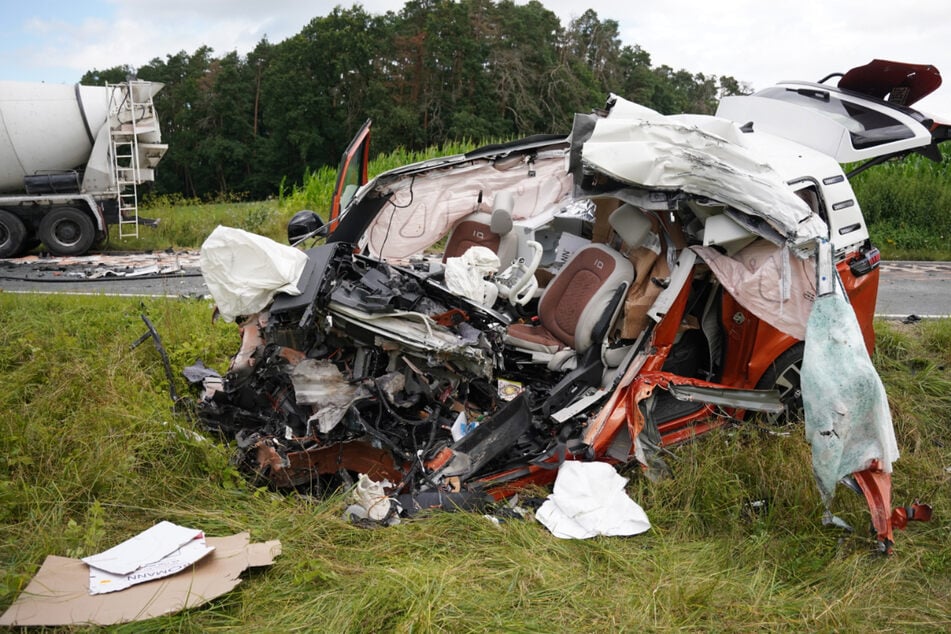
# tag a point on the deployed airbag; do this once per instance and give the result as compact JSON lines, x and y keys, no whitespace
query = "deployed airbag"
{"x":767,"y":282}
{"x":465,"y":275}
{"x":243,"y":271}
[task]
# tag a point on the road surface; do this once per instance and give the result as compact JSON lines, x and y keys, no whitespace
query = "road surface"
{"x":914,"y":288}
{"x":906,"y":288}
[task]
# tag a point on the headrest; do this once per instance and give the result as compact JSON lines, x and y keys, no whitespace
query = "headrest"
{"x":630,"y":224}
{"x":502,"y":206}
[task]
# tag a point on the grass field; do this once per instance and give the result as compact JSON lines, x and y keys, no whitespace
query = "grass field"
{"x":91,"y":453}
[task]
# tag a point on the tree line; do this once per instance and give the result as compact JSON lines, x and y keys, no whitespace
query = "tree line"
{"x":434,"y":72}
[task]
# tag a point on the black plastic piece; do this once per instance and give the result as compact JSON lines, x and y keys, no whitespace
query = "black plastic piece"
{"x":494,"y":435}
{"x":305,"y":224}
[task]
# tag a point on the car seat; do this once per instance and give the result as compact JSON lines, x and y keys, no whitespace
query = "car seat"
{"x":483,"y":229}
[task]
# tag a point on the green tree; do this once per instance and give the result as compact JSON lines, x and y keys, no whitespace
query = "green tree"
{"x":433,"y":72}
{"x":114,"y":75}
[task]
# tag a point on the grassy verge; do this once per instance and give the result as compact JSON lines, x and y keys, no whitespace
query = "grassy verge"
{"x":905,"y":204}
{"x":90,"y":453}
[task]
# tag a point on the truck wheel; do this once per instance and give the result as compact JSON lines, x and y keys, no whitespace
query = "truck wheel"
{"x":783,"y":374}
{"x":67,"y":231}
{"x":12,"y":234}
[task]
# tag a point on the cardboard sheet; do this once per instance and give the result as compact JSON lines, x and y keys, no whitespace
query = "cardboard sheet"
{"x":59,"y":593}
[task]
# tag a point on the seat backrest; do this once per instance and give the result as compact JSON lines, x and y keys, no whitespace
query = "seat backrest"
{"x":630,"y":224}
{"x":482,"y":229}
{"x":472,"y":231}
{"x":579,"y":294}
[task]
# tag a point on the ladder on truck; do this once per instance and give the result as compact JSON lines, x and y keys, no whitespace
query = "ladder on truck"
{"x":131,"y":116}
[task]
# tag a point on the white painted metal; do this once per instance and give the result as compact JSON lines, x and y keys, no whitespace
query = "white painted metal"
{"x":42,"y":128}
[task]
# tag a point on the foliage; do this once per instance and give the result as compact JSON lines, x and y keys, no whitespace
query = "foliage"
{"x":906,"y":204}
{"x":317,"y":189}
{"x":91,"y":453}
{"x":435,"y":72}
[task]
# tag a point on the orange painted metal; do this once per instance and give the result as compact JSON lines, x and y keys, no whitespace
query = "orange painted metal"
{"x":877,"y":487}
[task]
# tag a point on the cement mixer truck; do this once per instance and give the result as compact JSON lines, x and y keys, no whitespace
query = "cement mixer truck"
{"x":72,"y":158}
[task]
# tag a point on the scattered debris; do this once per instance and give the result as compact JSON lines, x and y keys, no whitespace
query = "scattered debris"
{"x":102,"y":266}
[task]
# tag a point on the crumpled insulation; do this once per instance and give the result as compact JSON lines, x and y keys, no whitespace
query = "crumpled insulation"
{"x":848,"y":423}
{"x":243,"y":271}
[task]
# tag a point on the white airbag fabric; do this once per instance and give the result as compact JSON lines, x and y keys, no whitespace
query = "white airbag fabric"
{"x":243,"y":271}
{"x":465,"y":275}
{"x":848,"y":422}
{"x":589,"y":499}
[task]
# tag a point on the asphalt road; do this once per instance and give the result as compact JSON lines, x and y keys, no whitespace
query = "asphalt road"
{"x":914,"y":288}
{"x":906,"y":288}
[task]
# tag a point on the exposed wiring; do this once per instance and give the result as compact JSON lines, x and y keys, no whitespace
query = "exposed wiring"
{"x":412,"y":196}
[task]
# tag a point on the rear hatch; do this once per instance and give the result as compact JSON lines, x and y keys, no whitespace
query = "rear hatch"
{"x":864,"y":117}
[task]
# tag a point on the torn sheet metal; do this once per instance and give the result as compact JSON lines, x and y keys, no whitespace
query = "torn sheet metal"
{"x":700,"y":155}
{"x":848,"y":422}
{"x":589,"y":499}
{"x":244,"y":271}
{"x":59,"y":593}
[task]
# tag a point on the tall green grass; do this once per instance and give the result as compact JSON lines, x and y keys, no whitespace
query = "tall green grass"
{"x":91,"y":453}
{"x":906,"y":205}
{"x":317,"y":188}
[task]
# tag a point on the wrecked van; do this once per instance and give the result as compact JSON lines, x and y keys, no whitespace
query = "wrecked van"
{"x":472,"y":322}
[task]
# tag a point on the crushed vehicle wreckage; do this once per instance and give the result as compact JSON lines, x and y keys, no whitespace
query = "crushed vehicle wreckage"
{"x":472,"y":322}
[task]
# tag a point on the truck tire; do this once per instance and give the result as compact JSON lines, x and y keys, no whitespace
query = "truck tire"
{"x":783,"y":374}
{"x":12,"y":234}
{"x":67,"y":231}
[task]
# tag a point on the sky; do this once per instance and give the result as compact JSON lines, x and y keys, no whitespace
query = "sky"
{"x":755,"y":41}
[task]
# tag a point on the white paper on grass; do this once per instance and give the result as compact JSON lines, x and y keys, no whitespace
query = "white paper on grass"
{"x":101,"y":582}
{"x":589,"y":499}
{"x":243,"y":271}
{"x":145,"y":548}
